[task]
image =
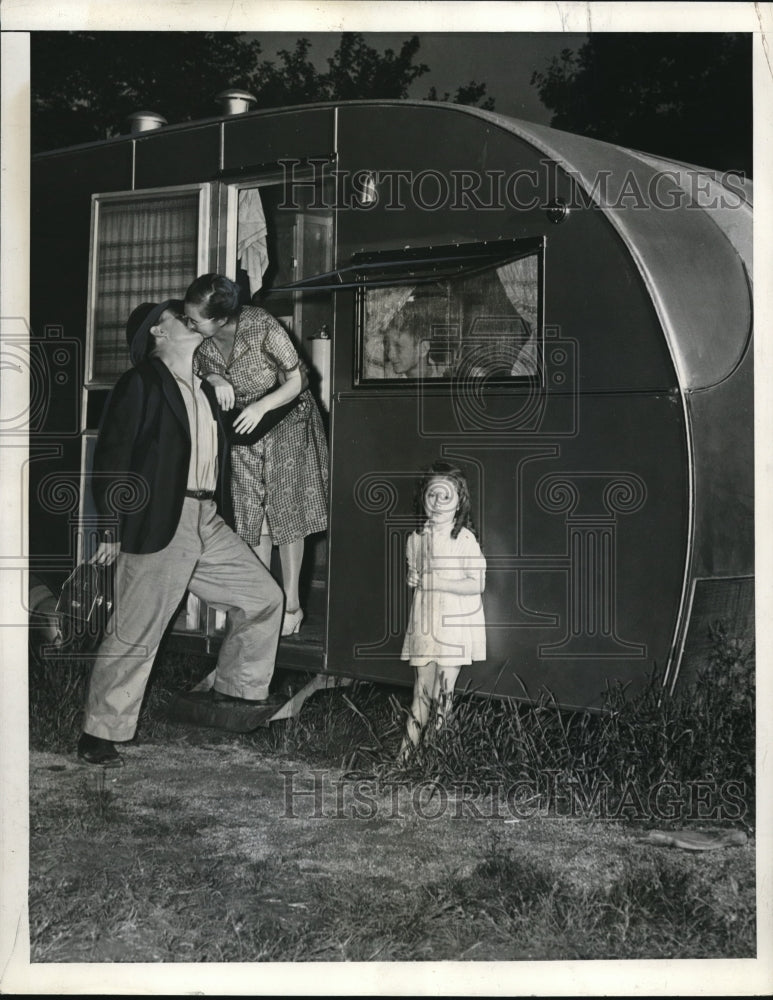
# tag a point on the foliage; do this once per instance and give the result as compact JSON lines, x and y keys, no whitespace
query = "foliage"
{"x":357,"y":71}
{"x":85,"y":84}
{"x":471,"y":93}
{"x":704,"y":732}
{"x":683,"y":96}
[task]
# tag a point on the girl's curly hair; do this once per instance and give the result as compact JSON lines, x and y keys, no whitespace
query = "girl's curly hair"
{"x":458,"y":477}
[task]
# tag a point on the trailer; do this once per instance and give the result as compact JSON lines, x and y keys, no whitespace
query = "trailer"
{"x":583,"y":318}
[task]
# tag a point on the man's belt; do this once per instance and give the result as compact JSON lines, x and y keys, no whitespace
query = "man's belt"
{"x":201,"y":494}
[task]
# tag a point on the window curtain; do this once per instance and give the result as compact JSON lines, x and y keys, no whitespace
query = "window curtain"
{"x":381,"y":307}
{"x":147,"y":251}
{"x":519,"y":280}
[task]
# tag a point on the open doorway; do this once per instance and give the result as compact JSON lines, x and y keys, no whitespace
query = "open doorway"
{"x":271,"y":240}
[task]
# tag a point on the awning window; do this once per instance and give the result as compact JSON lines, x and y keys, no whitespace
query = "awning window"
{"x":479,"y":321}
{"x":416,"y":265}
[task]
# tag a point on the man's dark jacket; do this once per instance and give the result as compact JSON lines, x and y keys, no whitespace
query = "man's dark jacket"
{"x":142,"y":457}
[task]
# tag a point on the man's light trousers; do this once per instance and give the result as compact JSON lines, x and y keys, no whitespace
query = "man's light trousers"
{"x":209,"y":559}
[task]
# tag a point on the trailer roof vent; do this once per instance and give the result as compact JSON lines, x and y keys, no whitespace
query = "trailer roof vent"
{"x":145,"y":121}
{"x":235,"y":102}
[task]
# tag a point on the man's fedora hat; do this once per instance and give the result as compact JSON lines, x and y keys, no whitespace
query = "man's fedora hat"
{"x":139,"y":323}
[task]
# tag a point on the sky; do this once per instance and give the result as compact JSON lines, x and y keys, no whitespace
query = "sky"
{"x":503,"y":61}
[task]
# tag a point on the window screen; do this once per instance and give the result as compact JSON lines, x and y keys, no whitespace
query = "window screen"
{"x":477,"y":325}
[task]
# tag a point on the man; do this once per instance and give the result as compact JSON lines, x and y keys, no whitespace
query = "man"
{"x":160,"y":461}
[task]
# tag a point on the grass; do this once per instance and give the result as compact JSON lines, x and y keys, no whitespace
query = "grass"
{"x":703,"y":732}
{"x":701,"y":739}
{"x":701,"y":736}
{"x":109,"y":883}
{"x":632,"y":746}
{"x":169,"y":902}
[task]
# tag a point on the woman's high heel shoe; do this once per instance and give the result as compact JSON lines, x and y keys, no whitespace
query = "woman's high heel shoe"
{"x":292,"y":622}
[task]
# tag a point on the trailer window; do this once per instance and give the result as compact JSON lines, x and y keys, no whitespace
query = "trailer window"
{"x":476,"y":325}
{"x":145,"y":248}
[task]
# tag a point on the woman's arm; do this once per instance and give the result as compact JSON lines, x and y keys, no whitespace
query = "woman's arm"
{"x":205,"y":365}
{"x":252,"y":414}
{"x":224,"y":390}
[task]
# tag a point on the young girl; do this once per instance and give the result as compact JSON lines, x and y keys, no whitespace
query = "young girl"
{"x":448,"y":571}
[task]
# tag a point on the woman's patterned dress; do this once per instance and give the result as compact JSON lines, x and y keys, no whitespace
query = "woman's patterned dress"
{"x":284,"y":476}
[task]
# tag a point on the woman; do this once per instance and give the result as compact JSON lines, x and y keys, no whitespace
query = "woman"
{"x":279,"y":483}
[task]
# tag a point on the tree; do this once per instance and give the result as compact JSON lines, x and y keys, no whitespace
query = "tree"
{"x":683,"y":96}
{"x":85,"y":84}
{"x":357,"y":71}
{"x":471,"y":93}
{"x":295,"y":81}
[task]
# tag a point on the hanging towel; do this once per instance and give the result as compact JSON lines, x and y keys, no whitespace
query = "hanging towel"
{"x":251,"y":247}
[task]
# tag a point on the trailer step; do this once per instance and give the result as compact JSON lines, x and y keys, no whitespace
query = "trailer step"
{"x":198,"y":708}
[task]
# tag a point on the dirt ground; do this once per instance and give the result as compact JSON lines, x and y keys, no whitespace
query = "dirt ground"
{"x":284,"y":851}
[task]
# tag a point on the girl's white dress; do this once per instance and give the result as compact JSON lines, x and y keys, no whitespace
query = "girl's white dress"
{"x":448,"y":629}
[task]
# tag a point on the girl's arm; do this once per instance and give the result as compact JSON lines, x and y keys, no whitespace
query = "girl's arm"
{"x":412,"y":577}
{"x":474,"y":582}
{"x":471,"y":562}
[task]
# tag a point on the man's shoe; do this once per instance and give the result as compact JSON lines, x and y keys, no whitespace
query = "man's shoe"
{"x":95,"y":750}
